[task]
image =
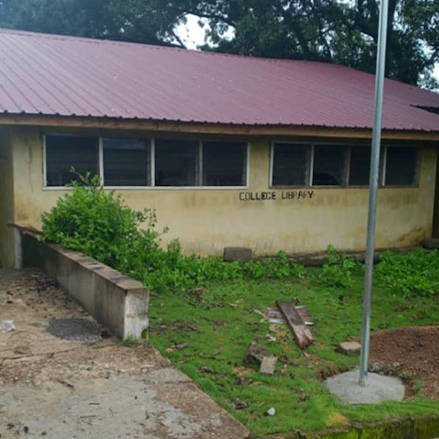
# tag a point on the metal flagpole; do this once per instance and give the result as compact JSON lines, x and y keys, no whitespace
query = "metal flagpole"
{"x":373,"y":188}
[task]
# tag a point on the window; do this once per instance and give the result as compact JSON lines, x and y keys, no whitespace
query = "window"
{"x":65,"y":152}
{"x":224,"y":164}
{"x":134,"y":162}
{"x":176,"y":162}
{"x":359,"y":166}
{"x":401,"y":166}
{"x":290,"y":164}
{"x":329,"y":165}
{"x":293,"y":164}
{"x":126,"y":162}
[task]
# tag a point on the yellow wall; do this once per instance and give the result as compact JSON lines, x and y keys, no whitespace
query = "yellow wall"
{"x":207,"y":220}
{"x":6,"y":201}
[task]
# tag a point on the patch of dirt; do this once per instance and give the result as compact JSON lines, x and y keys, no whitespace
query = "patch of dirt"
{"x":31,"y":354}
{"x":82,"y":388}
{"x":412,"y":353}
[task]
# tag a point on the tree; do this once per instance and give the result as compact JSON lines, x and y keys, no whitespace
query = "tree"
{"x":146,"y":21}
{"x":344,"y":32}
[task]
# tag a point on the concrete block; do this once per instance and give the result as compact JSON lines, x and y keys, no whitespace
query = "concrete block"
{"x":232,"y":254}
{"x":349,"y":347}
{"x":257,"y":354}
{"x":116,"y":301}
{"x":268,"y":365}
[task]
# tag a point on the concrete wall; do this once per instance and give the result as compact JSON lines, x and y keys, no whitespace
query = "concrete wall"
{"x":207,"y":220}
{"x":116,"y":301}
{"x":7,"y":251}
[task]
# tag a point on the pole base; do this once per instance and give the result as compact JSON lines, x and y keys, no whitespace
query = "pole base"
{"x":376,"y":388}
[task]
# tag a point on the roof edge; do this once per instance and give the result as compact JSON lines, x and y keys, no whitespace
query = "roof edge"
{"x":210,"y":128}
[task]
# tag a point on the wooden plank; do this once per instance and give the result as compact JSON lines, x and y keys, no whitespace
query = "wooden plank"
{"x":304,"y":313}
{"x":301,"y":333}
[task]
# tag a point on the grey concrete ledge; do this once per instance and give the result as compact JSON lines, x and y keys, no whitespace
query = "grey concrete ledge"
{"x":118,"y":302}
{"x":419,"y":427}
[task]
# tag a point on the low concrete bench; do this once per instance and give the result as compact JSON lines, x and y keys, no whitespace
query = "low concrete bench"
{"x":116,"y":301}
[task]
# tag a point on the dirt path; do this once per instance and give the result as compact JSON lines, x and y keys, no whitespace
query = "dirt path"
{"x":61,"y":388}
{"x":417,"y":352}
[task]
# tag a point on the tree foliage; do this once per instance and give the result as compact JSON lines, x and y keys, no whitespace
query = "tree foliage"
{"x":340,"y":31}
{"x":145,"y":21}
{"x":344,"y":32}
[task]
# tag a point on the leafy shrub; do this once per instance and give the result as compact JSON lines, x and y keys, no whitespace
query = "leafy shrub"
{"x":100,"y":224}
{"x":416,"y":272}
{"x":337,"y":272}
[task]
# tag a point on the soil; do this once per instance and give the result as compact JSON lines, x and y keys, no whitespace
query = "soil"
{"x":33,"y":355}
{"x":77,"y":387}
{"x":411,"y":353}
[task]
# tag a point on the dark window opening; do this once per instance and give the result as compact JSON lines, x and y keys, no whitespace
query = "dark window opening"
{"x":224,"y":163}
{"x":176,"y":163}
{"x":290,"y":164}
{"x":401,"y":166}
{"x":329,"y":165}
{"x":66,"y":152}
{"x":126,"y":162}
{"x":359,"y":168}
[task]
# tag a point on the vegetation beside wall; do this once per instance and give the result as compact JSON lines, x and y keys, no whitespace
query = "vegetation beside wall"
{"x":100,"y":224}
{"x":206,"y":331}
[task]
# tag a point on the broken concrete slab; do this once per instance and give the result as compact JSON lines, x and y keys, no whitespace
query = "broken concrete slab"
{"x":349,"y":348}
{"x":232,"y":254}
{"x":167,"y":375}
{"x":257,"y":354}
{"x":118,"y":407}
{"x":268,"y":365}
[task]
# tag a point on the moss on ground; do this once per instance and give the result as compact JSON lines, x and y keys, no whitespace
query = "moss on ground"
{"x":207,"y":335}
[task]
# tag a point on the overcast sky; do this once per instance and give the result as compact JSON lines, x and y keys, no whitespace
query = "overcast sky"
{"x":192,"y":35}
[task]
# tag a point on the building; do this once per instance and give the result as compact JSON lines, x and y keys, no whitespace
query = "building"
{"x":230,"y":151}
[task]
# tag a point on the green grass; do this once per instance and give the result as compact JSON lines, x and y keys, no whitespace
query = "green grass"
{"x":207,"y":338}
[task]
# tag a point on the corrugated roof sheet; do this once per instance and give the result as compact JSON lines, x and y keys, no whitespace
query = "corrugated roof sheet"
{"x":69,"y":76}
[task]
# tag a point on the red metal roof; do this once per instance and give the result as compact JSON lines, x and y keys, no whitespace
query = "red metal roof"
{"x":68,"y":76}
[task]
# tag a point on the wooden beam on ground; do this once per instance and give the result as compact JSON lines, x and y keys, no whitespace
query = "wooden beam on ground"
{"x":301,"y":333}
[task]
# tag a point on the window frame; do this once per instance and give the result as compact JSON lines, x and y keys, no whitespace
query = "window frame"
{"x":348,"y":174}
{"x":247,"y":165}
{"x":61,"y":134}
{"x":310,"y":167}
{"x":198,"y":168}
{"x":148,"y":142}
{"x":347,"y":166}
{"x":152,"y":186}
{"x":383,"y":169}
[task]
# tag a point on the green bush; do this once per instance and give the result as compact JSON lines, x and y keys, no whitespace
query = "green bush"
{"x":416,"y":272}
{"x":100,"y":224}
{"x":337,"y":272}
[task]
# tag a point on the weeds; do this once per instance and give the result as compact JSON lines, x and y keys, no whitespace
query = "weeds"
{"x":100,"y":224}
{"x":338,"y":271}
{"x":416,"y":272}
